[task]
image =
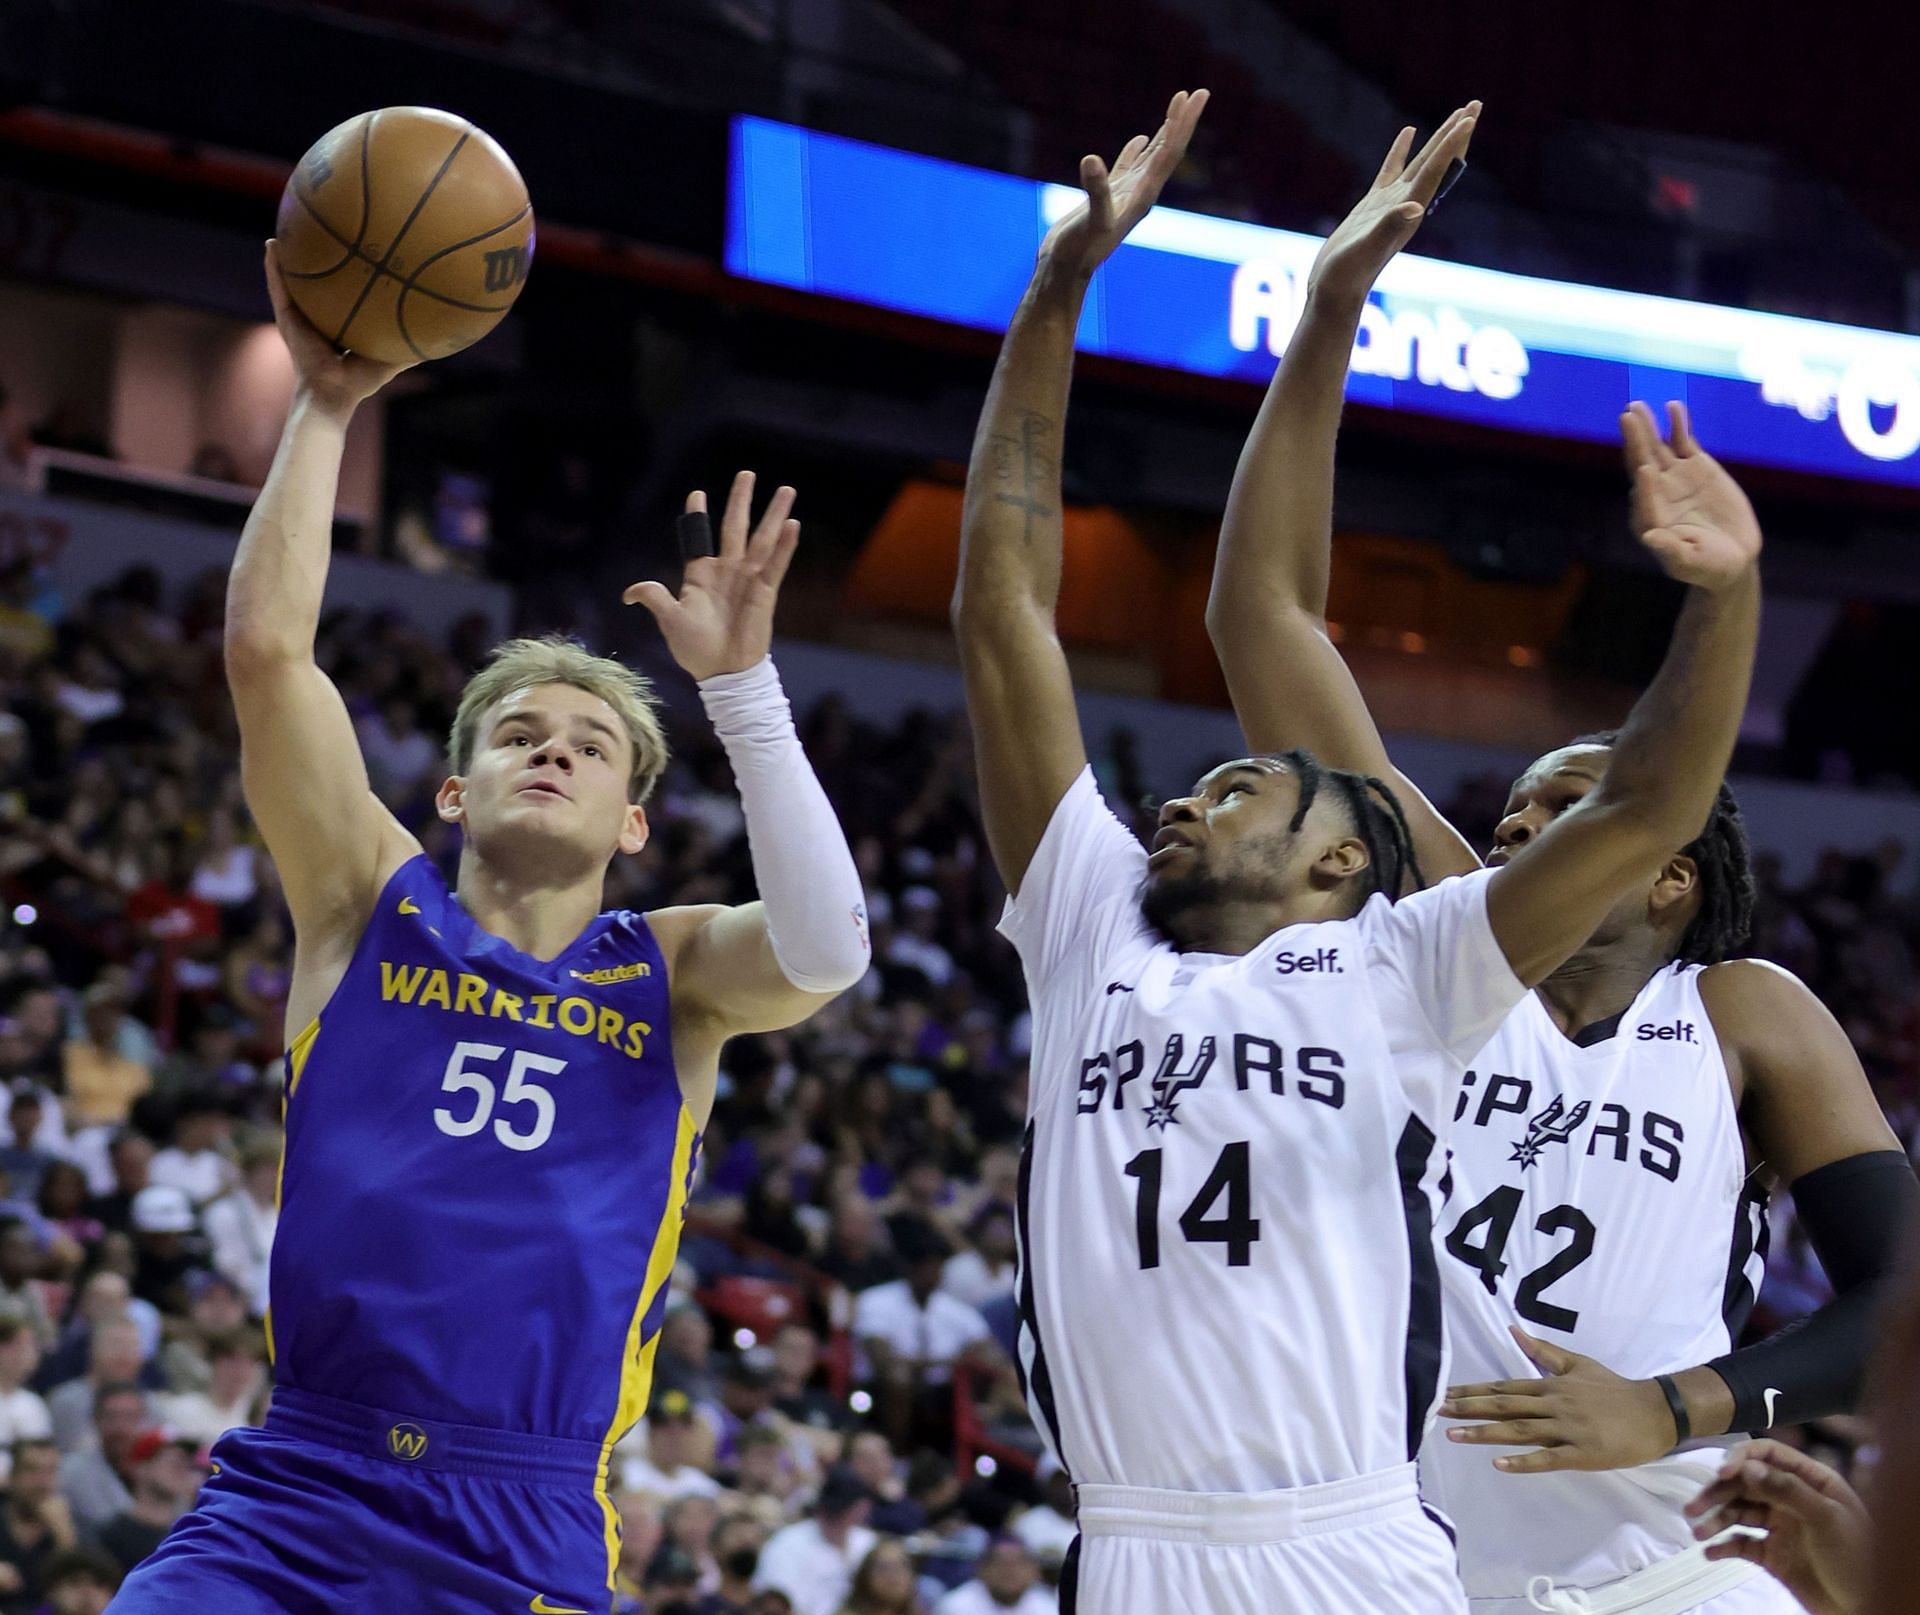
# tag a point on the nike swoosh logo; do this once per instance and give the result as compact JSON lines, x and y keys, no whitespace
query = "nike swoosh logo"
{"x":409,"y":906}
{"x":1117,"y":987}
{"x":1769,"y":1396}
{"x":540,"y":1606}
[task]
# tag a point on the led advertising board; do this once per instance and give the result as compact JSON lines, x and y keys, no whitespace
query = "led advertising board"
{"x":1220,"y":297}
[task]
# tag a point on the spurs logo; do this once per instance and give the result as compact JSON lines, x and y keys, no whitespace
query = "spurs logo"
{"x":1169,"y":1081}
{"x":1554,"y":1125}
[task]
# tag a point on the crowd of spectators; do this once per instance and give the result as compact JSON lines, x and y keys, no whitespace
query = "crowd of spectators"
{"x":835,"y":1424}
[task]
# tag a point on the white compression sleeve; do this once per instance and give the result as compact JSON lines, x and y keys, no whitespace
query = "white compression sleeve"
{"x":816,"y":910}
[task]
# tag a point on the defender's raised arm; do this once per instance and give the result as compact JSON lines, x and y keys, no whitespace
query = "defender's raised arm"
{"x":1019,"y":695}
{"x":1266,"y":614}
{"x":1667,"y":764}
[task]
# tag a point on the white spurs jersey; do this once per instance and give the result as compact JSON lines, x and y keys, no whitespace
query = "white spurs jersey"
{"x":1228,"y":1277}
{"x":1600,"y":1200}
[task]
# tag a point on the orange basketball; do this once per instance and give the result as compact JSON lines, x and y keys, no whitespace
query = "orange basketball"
{"x":405,"y":234}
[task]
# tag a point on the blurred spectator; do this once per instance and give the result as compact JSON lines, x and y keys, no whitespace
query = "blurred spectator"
{"x":81,"y":1581}
{"x":97,"y":1479}
{"x":856,"y":1253}
{"x":226,"y":874}
{"x":913,"y":1332}
{"x":1008,"y":1580}
{"x":671,"y":1583}
{"x":1048,"y":1528}
{"x":884,"y":1584}
{"x":401,"y":756}
{"x":162,"y":1223}
{"x":199,"y":1161}
{"x":985,"y":1270}
{"x":101,"y":1082}
{"x":813,"y":1560}
{"x":35,"y":1525}
{"x":23,"y":1161}
{"x":23,"y":1414}
{"x":640,"y":1536}
{"x":736,"y":1554}
{"x":677,"y":1444}
{"x":20,"y":1295}
{"x":796,"y":1395}
{"x":236,"y":1363}
{"x":116,"y":1354}
{"x":240,"y":1225}
{"x":130,"y":1161}
{"x":915,"y":944}
{"x":164,"y":1478}
{"x":870,"y":1456}
{"x":684,"y":1361}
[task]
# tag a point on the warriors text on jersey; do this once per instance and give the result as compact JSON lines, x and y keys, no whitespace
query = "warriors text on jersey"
{"x":1600,"y":1199}
{"x":486,"y":1172}
{"x":1228,"y":1281}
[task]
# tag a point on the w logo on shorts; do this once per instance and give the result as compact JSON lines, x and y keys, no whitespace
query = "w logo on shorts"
{"x":1554,"y":1125}
{"x":407,"y":1441}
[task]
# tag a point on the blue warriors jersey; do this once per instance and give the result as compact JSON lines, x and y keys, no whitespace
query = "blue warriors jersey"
{"x":486,"y":1170}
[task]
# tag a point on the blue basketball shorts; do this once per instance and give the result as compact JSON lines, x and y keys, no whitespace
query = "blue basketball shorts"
{"x":334,"y":1506}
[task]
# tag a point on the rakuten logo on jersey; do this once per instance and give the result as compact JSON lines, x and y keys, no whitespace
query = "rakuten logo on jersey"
{"x":1677,"y":1032}
{"x":1321,"y":959}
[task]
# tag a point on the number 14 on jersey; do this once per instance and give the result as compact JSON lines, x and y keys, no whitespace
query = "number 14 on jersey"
{"x":1237,"y":1228}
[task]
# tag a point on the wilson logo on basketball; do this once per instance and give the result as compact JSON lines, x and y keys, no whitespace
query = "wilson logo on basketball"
{"x":506,"y":268}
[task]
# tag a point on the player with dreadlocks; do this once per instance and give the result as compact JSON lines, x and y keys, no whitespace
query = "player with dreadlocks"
{"x":1615,"y":1141}
{"x":1248,"y":1047}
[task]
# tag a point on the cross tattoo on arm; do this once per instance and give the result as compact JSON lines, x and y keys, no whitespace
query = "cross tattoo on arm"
{"x":1029,"y":448}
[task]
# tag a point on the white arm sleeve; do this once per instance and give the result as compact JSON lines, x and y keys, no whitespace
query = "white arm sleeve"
{"x":816,"y":910}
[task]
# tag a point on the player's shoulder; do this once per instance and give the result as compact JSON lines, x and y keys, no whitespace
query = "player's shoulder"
{"x":1738,"y":988}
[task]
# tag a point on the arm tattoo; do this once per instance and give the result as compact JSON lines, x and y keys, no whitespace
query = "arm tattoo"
{"x":1024,"y":468}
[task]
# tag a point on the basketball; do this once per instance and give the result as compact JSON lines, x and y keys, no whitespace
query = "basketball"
{"x":405,"y":234}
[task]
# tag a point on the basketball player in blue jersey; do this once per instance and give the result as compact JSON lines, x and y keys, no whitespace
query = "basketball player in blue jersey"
{"x":1615,"y":1140}
{"x":1247,"y":1055}
{"x":494,"y":1093}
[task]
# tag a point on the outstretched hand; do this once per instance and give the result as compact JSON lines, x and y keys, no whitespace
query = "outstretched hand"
{"x":722,"y":619}
{"x":1384,"y":220}
{"x":339,"y":381}
{"x":1818,"y":1536}
{"x":1120,"y":198}
{"x":1581,"y":1415}
{"x":1687,"y":510}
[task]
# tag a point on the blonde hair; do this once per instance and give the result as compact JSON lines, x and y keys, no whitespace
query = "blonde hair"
{"x":519,"y":664}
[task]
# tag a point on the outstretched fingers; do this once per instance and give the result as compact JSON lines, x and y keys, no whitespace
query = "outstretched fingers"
{"x":733,"y":522}
{"x":1394,"y":164}
{"x":1447,"y":148}
{"x":781,"y":558}
{"x":772,"y":523}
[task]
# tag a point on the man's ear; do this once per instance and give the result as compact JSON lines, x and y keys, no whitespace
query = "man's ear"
{"x":448,"y":801}
{"x":1677,"y":883}
{"x":634,"y":834}
{"x":1340,"y":862}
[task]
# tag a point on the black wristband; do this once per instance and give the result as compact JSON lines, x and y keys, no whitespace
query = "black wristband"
{"x":1677,"y":1405}
{"x":695,"y":533}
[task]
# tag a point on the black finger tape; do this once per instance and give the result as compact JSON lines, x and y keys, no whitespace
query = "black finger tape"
{"x":695,"y":533}
{"x":1455,"y":168}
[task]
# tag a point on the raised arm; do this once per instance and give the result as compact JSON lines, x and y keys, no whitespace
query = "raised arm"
{"x":306,"y":784}
{"x":756,"y":966}
{"x":1667,"y":764}
{"x":1267,"y":612}
{"x":1019,"y":694}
